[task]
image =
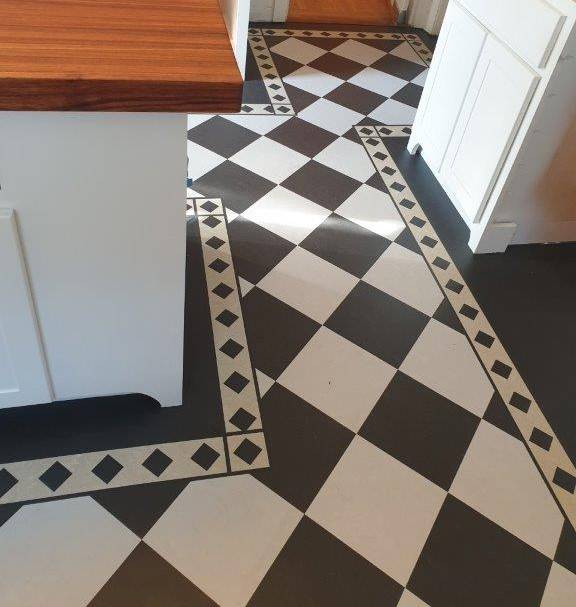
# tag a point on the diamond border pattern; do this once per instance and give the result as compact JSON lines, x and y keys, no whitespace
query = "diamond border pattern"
{"x":550,"y":456}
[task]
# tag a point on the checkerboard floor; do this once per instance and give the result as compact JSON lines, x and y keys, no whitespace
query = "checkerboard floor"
{"x":398,"y":476}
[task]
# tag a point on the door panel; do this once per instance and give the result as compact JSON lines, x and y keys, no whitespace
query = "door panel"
{"x":23,"y":376}
{"x":499,"y":93}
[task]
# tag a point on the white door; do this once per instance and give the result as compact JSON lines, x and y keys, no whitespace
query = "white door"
{"x":236,"y":15}
{"x":23,"y":375}
{"x":497,"y":98}
{"x":455,"y":58}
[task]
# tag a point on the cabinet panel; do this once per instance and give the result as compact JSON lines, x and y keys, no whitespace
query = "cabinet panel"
{"x":454,"y":61}
{"x":496,"y":101}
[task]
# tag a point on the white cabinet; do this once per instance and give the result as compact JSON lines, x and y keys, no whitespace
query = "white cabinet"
{"x":493,"y":108}
{"x":497,"y":105}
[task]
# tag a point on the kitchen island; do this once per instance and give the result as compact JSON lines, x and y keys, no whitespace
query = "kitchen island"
{"x":93,"y":102}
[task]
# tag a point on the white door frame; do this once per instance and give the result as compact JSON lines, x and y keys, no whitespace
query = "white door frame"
{"x":280,"y":11}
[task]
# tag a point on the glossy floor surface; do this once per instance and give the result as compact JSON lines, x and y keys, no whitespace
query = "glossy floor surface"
{"x":398,"y":475}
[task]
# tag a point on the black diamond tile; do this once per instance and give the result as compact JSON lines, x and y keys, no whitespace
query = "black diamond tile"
{"x":222,"y":290}
{"x":396,"y":66}
{"x":211,"y":221}
{"x":408,"y":241}
{"x":441,"y":263}
{"x":304,"y":445}
{"x":408,"y":204}
{"x":214,"y":242}
{"x":302,"y":136}
{"x":346,"y":245}
{"x":376,"y":182}
{"x":378,"y":323}
{"x":469,"y":560}
{"x":237,"y":382}
{"x":501,"y":369}
{"x":520,"y":402}
{"x":399,"y":187}
{"x":247,"y":451}
{"x":469,"y":312}
{"x":219,"y":265}
{"x":316,"y":569}
{"x":107,"y":469}
{"x":564,"y":480}
{"x":498,"y":415}
{"x":380,"y":155}
{"x":446,"y":315}
{"x":484,"y":339}
{"x":139,"y":507}
{"x":232,"y":348}
{"x":322,"y":185}
{"x":243,"y":419}
{"x":145,"y":579}
{"x":566,"y":550}
{"x":205,"y":456}
{"x":157,"y":462}
{"x":422,"y":429}
{"x":208,"y":206}
{"x":454,"y":286}
{"x":7,"y":511}
{"x":324,"y":43}
{"x":298,"y":98}
{"x":416,"y":221}
{"x":7,"y":481}
{"x":227,"y":318}
{"x":222,"y":136}
{"x":236,"y":185}
{"x":248,"y":241}
{"x":276,"y":332}
{"x":337,"y":66}
{"x":55,"y":476}
{"x":409,"y":95}
{"x":384,"y":45}
{"x":284,"y":65}
{"x":542,"y":439}
{"x":429,"y":242}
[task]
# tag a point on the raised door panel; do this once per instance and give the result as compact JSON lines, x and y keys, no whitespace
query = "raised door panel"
{"x":456,"y":55}
{"x":23,"y":376}
{"x":495,"y":104}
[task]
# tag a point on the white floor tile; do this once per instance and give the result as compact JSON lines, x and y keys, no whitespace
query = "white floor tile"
{"x":264,"y":382}
{"x":270,"y":159}
{"x":287,"y":214}
{"x":309,"y":79}
{"x":410,"y":600}
{"x":378,"y":82}
{"x":230,"y":214}
{"x":60,"y":553}
{"x":356,"y":51}
{"x":245,"y":286}
{"x":197,"y":119}
{"x":420,"y":80}
{"x":498,"y":478}
{"x":373,"y":210}
{"x":330,"y":116}
{"x":223,"y":534}
{"x":298,"y":50}
{"x":258,"y":124}
{"x":379,"y":507}
{"x":309,"y":284}
{"x":393,"y":112}
{"x":201,"y":160}
{"x":443,"y":360}
{"x":339,"y":378}
{"x":405,"y":275}
{"x":405,"y":51}
{"x":560,"y":588}
{"x":347,"y":157}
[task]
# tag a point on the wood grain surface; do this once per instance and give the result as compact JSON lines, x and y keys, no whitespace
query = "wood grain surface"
{"x":116,"y":55}
{"x":359,"y":12}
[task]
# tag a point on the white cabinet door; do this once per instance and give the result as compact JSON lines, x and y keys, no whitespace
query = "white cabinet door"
{"x":497,"y":98}
{"x":23,"y":376}
{"x":455,"y":58}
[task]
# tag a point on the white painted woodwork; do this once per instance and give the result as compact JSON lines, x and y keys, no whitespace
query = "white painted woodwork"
{"x":448,"y":81}
{"x":497,"y":121}
{"x":262,"y":10}
{"x":236,"y":15}
{"x":23,"y":374}
{"x":495,"y":104}
{"x":100,"y":201}
{"x":426,"y":14}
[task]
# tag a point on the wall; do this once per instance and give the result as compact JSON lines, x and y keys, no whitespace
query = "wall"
{"x":262,"y":10}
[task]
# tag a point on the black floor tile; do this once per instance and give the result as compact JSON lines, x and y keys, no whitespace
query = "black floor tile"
{"x":566,"y":551}
{"x":410,"y":95}
{"x":255,"y":249}
{"x":468,"y":560}
{"x":356,"y":98}
{"x":384,"y":45}
{"x":498,"y":415}
{"x":7,"y":511}
{"x":284,"y":65}
{"x":276,"y":332}
{"x":222,"y":136}
{"x":238,"y":187}
{"x":421,"y":428}
{"x":324,"y":43}
{"x":446,"y":315}
{"x":304,"y":446}
{"x":322,"y":185}
{"x":378,"y":323}
{"x":346,"y":244}
{"x":406,"y":240}
{"x":302,"y":136}
{"x":139,"y":507}
{"x":145,"y":579}
{"x":298,"y":98}
{"x":315,"y":569}
{"x":396,"y":66}
{"x":337,"y":66}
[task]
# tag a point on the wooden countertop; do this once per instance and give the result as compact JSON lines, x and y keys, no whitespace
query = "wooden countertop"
{"x":116,"y":55}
